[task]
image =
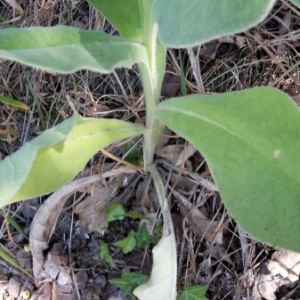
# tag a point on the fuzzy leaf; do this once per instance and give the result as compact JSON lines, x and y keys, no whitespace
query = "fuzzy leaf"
{"x":296,"y":2}
{"x":251,"y":142}
{"x":188,"y":23}
{"x":65,"y":49}
{"x":162,"y":283}
{"x":56,"y":156}
{"x":123,"y":15}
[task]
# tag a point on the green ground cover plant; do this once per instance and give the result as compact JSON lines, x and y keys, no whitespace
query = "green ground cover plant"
{"x":250,"y":138}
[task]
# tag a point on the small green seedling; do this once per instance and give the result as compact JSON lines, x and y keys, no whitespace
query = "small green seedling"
{"x":140,"y":239}
{"x":195,"y":292}
{"x":129,"y":281}
{"x":133,"y":153}
{"x":250,"y":138}
{"x":105,"y":255}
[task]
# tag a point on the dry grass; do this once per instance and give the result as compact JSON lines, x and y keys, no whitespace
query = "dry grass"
{"x":265,"y":55}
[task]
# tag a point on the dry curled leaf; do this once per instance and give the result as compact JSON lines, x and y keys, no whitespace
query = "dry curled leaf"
{"x":176,"y":153}
{"x":238,"y":40}
{"x":162,"y":282}
{"x":55,"y":267}
{"x":285,"y":263}
{"x":163,"y":139}
{"x":200,"y":223}
{"x":92,"y":210}
{"x":142,"y":195}
{"x":44,"y":222}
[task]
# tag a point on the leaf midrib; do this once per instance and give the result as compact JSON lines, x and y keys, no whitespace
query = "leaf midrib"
{"x":222,"y":127}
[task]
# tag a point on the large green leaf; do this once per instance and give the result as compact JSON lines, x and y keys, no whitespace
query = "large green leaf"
{"x":296,"y":2}
{"x":124,"y":15}
{"x":56,"y":156}
{"x":188,"y":23}
{"x":65,"y":50}
{"x":251,"y":141}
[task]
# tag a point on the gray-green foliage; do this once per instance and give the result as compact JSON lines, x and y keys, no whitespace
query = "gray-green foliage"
{"x":250,"y":139}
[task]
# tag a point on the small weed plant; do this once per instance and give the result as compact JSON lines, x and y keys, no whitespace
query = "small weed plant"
{"x":250,"y":138}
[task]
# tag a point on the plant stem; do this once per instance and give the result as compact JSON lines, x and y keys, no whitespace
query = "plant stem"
{"x":150,"y":74}
{"x":159,"y":187}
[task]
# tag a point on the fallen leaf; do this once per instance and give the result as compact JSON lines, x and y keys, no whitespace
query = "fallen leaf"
{"x":45,"y":220}
{"x":92,"y":210}
{"x":164,"y":138}
{"x":43,"y":292}
{"x":238,"y":40}
{"x":14,"y":287}
{"x":208,"y":50}
{"x":142,"y":195}
{"x":98,"y":109}
{"x":177,"y":154}
{"x":285,"y":263}
{"x":55,"y":267}
{"x":86,"y":211}
{"x":187,"y":152}
{"x":200,"y":223}
{"x":162,"y":283}
{"x":171,"y":85}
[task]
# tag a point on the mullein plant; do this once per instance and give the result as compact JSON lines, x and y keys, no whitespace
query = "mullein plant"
{"x":250,"y":139}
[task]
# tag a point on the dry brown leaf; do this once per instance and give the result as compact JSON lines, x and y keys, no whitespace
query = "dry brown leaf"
{"x":142,"y":195}
{"x":285,"y":263}
{"x":92,"y":210}
{"x":170,"y":152}
{"x":208,"y":50}
{"x":17,"y":7}
{"x":238,"y":40}
{"x":171,"y":85}
{"x":200,"y":223}
{"x":183,"y":184}
{"x":163,"y":139}
{"x":55,"y":267}
{"x":45,"y":219}
{"x":129,"y":185}
{"x":43,"y":292}
{"x":176,"y":153}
